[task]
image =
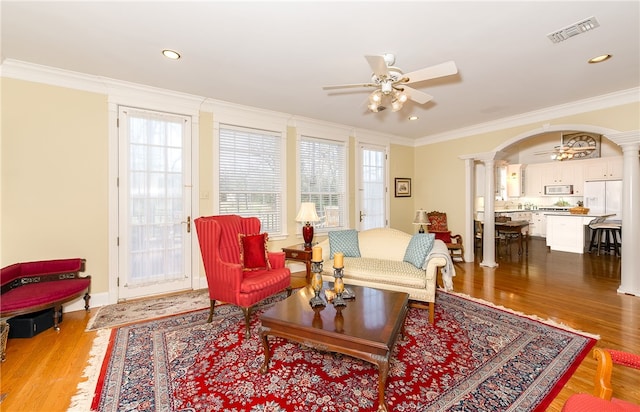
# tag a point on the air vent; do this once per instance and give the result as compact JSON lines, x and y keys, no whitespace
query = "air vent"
{"x":573,"y":30}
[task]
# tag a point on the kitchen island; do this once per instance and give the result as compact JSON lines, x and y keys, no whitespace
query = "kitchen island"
{"x":567,"y":232}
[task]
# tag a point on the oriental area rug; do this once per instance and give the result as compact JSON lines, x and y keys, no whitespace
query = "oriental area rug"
{"x":123,"y":313}
{"x":476,"y":357}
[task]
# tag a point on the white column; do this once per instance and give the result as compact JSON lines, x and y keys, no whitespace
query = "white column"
{"x":489,"y":234}
{"x":630,"y":277}
{"x":469,"y":232}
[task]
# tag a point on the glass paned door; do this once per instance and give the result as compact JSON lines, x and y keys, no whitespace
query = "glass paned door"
{"x":373,"y":194}
{"x":154,"y":192}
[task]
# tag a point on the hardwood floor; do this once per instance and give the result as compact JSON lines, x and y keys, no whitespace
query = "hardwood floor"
{"x":41,"y":373}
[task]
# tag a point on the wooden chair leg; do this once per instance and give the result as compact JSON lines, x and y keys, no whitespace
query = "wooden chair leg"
{"x":247,"y":321}
{"x":213,"y":304}
{"x":421,"y":305}
{"x":86,"y":298}
{"x":432,"y":312}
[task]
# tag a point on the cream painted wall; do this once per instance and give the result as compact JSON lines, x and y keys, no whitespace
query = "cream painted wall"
{"x":54,"y":176}
{"x":403,"y":209}
{"x":441,"y":185}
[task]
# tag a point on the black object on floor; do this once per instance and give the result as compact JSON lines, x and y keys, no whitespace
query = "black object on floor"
{"x":29,"y":325}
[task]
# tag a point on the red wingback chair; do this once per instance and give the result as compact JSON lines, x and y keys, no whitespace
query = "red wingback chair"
{"x":438,"y":226}
{"x":602,"y":399}
{"x":238,"y":275}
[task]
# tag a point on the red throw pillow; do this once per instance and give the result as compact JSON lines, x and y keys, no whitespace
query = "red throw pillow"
{"x":444,"y":236}
{"x":253,"y":251}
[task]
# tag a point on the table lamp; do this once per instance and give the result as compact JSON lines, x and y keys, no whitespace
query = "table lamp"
{"x":421,"y":219}
{"x":307,"y":214}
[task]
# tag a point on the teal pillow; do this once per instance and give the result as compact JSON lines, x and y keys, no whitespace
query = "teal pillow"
{"x":345,"y":241}
{"x":419,"y":247}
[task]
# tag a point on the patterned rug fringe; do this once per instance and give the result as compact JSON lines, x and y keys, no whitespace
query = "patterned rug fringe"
{"x":549,"y":322}
{"x":81,"y":401}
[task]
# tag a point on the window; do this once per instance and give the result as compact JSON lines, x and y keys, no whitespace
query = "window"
{"x":323,"y":179}
{"x":251,"y":176}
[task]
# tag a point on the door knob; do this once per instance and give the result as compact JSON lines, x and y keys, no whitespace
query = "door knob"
{"x":188,"y":222}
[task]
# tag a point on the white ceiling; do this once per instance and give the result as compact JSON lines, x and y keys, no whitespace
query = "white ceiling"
{"x":278,"y":55}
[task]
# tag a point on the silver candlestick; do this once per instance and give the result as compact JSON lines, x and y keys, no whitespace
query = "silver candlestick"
{"x":316,"y":284}
{"x":338,"y":287}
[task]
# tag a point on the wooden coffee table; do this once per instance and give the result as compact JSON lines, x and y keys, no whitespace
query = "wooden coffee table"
{"x":367,"y":328}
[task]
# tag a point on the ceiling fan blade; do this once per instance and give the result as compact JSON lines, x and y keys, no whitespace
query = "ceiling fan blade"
{"x":378,"y":65}
{"x":416,"y":95}
{"x":439,"y":70}
{"x":346,"y":86}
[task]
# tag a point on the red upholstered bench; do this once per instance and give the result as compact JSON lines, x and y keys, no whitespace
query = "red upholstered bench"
{"x":35,"y":286}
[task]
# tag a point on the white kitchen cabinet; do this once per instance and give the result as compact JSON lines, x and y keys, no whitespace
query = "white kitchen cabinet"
{"x":533,"y":180}
{"x":578,"y":179}
{"x":559,"y":173}
{"x":538,"y":224}
{"x":539,"y":175}
{"x":606,"y":168}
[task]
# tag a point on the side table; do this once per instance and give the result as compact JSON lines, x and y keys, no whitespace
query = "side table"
{"x":300,"y":254}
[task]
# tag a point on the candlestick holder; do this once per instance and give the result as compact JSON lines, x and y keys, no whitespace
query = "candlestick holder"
{"x":316,"y":283}
{"x":338,"y":287}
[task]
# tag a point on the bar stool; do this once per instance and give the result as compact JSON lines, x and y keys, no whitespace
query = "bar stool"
{"x":612,"y":233}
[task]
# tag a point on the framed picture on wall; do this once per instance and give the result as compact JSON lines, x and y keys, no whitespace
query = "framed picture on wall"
{"x":403,"y":187}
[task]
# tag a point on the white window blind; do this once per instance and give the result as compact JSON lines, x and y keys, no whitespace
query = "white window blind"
{"x":323,"y":179}
{"x":251,"y":175}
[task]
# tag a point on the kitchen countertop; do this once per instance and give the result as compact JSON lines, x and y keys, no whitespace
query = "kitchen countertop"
{"x":577,"y":215}
{"x":524,"y":210}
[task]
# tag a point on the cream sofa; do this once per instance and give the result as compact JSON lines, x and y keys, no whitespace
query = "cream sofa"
{"x":381,"y":265}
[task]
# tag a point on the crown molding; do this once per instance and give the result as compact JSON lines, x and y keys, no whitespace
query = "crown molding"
{"x":117,"y":90}
{"x":132,"y":93}
{"x":543,"y":115}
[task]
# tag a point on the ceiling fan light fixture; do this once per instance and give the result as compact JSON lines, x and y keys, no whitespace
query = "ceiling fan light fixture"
{"x":396,"y":105}
{"x":375,"y":107}
{"x":401,"y":96}
{"x":375,"y":97}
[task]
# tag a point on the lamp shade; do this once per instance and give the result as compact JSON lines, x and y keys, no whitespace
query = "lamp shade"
{"x":421,"y":218}
{"x":307,"y":212}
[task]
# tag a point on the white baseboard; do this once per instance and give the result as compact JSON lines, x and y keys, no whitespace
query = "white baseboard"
{"x":97,"y":300}
{"x":102,"y":299}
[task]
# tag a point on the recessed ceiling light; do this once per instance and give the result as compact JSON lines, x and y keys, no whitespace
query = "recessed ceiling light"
{"x":171,"y":54}
{"x":413,"y":117}
{"x":600,"y":58}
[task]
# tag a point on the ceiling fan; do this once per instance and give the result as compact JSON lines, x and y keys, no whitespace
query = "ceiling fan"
{"x":390,"y":82}
{"x":573,"y":146}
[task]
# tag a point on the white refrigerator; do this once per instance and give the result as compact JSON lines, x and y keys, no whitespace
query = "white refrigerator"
{"x":604,"y":197}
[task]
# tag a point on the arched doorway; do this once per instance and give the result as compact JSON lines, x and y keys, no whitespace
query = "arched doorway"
{"x":530,"y":143}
